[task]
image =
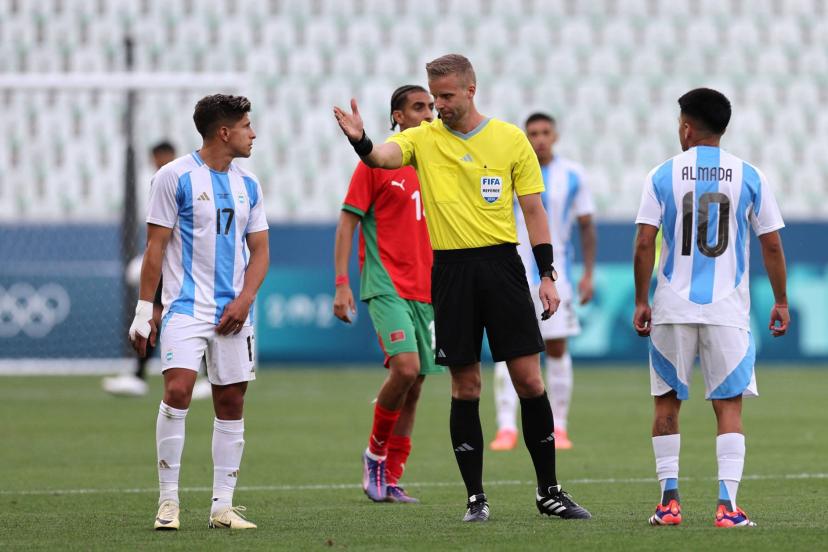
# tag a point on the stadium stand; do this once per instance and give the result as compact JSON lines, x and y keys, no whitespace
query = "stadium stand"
{"x":609,"y":70}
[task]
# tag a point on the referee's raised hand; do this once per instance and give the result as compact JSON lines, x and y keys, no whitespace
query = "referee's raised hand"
{"x":351,"y":124}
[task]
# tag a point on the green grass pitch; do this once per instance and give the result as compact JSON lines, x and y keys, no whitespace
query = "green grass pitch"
{"x":78,"y":469}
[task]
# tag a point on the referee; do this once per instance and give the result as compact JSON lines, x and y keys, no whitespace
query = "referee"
{"x":470,"y":169}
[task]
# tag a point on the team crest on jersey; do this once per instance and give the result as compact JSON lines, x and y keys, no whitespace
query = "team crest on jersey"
{"x":491,"y":187}
{"x":241,"y":198}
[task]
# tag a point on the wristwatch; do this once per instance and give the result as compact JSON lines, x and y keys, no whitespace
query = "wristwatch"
{"x":550,"y":273}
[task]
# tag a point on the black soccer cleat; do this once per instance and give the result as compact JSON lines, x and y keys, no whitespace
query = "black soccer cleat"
{"x":477,"y":508}
{"x":557,"y":502}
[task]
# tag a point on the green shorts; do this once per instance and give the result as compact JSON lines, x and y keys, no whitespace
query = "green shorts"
{"x":405,"y":326}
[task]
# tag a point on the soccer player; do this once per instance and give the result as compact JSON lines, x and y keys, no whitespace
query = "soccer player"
{"x":203,"y":209}
{"x":566,"y":200}
{"x":704,"y":200}
{"x":395,"y":262}
{"x":135,"y":385}
{"x":470,"y":167}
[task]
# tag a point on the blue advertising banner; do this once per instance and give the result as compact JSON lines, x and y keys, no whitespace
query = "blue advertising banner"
{"x":296,"y":322}
{"x":61,"y":293}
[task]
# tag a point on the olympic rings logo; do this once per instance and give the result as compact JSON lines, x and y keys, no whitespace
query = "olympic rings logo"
{"x":35,"y":312}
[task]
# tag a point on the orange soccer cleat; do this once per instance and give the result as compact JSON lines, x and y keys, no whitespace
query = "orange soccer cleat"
{"x":732,"y":519}
{"x":562,"y":441}
{"x":506,"y":439}
{"x":667,"y":515}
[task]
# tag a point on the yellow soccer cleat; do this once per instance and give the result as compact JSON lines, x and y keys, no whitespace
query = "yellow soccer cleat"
{"x":167,"y":517}
{"x":230,"y":518}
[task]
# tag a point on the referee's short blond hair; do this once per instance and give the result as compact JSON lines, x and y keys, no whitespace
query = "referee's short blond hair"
{"x":451,"y":64}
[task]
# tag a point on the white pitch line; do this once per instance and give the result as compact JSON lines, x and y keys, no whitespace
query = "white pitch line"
{"x":352,"y":486}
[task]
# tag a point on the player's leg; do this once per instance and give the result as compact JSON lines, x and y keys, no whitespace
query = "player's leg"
{"x":666,"y":447}
{"x":673,"y":350}
{"x":559,"y":378}
{"x":506,"y":401}
{"x":467,"y":437}
{"x":396,"y":332}
{"x":459,"y":338}
{"x":514,"y":336}
{"x":182,"y":347}
{"x":559,"y":382}
{"x":536,"y":417}
{"x":399,"y":445}
{"x":230,"y":366}
{"x":727,"y":360}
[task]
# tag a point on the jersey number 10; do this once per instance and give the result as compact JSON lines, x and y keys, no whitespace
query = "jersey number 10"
{"x":702,"y":219}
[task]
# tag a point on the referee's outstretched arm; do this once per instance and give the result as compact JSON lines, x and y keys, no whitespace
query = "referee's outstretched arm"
{"x":384,"y":156}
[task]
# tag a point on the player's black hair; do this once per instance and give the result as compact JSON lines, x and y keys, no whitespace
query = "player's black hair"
{"x":538,"y":116}
{"x":213,"y":111}
{"x":400,"y":96}
{"x":709,"y":108}
{"x":163,"y":147}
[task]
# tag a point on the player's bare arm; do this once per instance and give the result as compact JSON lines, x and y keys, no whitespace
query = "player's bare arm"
{"x":383,"y":156}
{"x":643,"y":261}
{"x":343,"y":305}
{"x":144,"y":327}
{"x":236,"y":312}
{"x":537,"y":226}
{"x":589,"y":240}
{"x":774,"y":258}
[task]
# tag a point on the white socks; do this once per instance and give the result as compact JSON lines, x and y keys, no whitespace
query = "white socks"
{"x":666,"y":449}
{"x":559,"y":383}
{"x":730,"y":451}
{"x":169,"y":442}
{"x":228,"y":445}
{"x":506,"y":399}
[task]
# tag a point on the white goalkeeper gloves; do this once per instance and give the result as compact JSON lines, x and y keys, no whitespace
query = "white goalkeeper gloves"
{"x":141,"y":323}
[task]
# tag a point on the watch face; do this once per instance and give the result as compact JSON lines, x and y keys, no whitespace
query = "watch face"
{"x":552,"y":274}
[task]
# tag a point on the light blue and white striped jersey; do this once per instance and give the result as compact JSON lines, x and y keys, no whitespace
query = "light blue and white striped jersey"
{"x":704,"y":199}
{"x":210,"y":213}
{"x":566,"y":198}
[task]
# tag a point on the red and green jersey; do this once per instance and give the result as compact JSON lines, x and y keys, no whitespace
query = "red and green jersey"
{"x":394,"y":248}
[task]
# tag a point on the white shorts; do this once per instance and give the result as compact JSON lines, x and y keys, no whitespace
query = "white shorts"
{"x":185,"y":341}
{"x":726,"y":355}
{"x":564,"y":323}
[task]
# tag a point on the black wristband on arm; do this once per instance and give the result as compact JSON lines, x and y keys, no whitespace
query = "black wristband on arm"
{"x":363,"y":146}
{"x":544,"y":258}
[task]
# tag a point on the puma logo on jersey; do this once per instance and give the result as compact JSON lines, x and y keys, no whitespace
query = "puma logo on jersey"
{"x":400,"y":185}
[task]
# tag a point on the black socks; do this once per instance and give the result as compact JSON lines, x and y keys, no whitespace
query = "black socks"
{"x":467,"y":441}
{"x":539,"y":436}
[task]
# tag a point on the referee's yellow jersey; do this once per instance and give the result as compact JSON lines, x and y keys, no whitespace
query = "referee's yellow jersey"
{"x":469,"y":180}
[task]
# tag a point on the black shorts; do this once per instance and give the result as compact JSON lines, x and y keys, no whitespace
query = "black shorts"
{"x":484,"y":287}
